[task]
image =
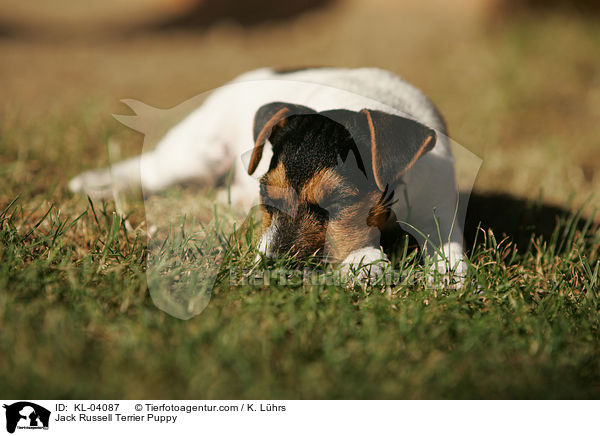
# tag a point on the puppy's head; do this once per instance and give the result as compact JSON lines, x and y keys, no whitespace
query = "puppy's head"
{"x":327,"y":190}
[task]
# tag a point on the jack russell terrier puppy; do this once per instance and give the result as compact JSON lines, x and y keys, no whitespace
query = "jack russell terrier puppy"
{"x":346,"y":148}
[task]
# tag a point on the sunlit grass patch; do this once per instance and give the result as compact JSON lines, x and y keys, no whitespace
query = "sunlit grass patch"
{"x":77,"y":319}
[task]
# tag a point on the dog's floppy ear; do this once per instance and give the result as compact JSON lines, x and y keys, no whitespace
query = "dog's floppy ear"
{"x":267,"y":119}
{"x":394,"y":143}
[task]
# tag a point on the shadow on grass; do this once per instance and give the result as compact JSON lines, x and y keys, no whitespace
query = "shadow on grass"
{"x":507,"y":216}
{"x":517,"y":218}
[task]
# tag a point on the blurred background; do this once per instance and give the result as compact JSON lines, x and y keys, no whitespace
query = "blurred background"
{"x":517,"y":80}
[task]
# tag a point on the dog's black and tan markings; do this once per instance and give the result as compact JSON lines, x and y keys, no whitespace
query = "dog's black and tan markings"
{"x":330,"y":173}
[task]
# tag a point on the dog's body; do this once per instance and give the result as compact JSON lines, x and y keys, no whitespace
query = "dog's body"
{"x":315,"y":120}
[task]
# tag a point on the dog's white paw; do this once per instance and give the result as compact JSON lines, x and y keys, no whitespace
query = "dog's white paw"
{"x":366,"y":265}
{"x":448,"y":273}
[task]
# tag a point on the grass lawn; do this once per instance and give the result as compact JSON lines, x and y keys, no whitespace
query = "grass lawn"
{"x":77,"y":321}
{"x":76,"y":316}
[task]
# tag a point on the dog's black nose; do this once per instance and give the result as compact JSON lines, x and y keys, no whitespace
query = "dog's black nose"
{"x":298,"y":237}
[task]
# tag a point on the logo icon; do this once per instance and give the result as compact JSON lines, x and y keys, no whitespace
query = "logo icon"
{"x":26,"y":415}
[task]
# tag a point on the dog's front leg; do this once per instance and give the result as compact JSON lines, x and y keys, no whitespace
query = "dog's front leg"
{"x":447,"y":257}
{"x":427,"y":209}
{"x":441,"y":239}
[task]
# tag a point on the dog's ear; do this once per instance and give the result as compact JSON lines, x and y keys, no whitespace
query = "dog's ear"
{"x":394,"y":143}
{"x":267,"y":120}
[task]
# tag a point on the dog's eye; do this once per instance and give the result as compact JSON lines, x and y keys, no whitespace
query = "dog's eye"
{"x":331,"y":206}
{"x":271,"y":205}
{"x":268,"y":208}
{"x":336,"y":202}
{"x":319,"y":212}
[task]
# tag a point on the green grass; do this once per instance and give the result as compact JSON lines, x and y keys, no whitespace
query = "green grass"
{"x":77,"y":321}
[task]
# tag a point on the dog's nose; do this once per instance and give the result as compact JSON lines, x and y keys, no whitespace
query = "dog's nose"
{"x":285,"y":237}
{"x":299,"y":237}
{"x":279,"y":238}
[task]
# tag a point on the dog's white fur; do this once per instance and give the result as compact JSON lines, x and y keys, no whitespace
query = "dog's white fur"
{"x":218,"y":135}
